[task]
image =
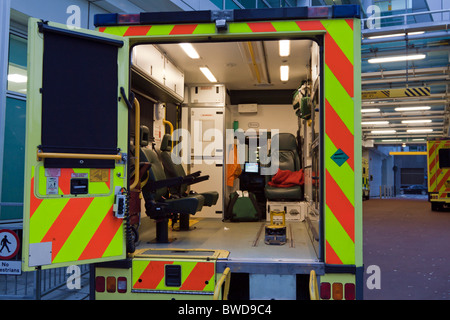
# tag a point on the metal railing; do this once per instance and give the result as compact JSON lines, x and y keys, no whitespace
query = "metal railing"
{"x":35,"y":285}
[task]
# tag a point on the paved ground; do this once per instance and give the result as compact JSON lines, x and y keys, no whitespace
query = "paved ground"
{"x":411,"y":245}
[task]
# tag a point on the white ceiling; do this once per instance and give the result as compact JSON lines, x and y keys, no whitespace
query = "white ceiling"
{"x":232,"y":66}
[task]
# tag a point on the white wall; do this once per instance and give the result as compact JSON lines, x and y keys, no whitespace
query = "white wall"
{"x":280,"y":117}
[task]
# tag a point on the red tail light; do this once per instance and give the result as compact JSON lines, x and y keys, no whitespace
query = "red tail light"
{"x":349,"y":290}
{"x":325,"y":290}
{"x":100,"y":284}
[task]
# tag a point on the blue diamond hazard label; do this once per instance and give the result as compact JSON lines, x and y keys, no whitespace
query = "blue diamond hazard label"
{"x":339,"y":157}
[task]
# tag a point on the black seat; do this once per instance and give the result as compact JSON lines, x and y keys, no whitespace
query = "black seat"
{"x":288,"y":159}
{"x":158,"y":204}
{"x":173,"y":170}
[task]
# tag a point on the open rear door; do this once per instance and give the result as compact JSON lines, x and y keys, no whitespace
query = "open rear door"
{"x":76,"y":146}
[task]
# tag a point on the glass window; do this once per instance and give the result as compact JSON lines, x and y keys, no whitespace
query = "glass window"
{"x":17,"y":64}
{"x":444,"y":158}
{"x":13,"y":158}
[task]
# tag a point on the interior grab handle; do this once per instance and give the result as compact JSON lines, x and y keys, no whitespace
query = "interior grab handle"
{"x":57,"y":155}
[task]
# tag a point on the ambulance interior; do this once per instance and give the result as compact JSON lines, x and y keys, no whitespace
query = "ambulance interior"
{"x":243,"y":90}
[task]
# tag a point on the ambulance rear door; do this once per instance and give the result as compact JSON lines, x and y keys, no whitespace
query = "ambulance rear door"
{"x":76,"y":147}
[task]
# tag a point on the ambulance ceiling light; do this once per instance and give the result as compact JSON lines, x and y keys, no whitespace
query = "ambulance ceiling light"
{"x":208,"y":74}
{"x":284,"y":73}
{"x":190,"y":50}
{"x":284,"y":48}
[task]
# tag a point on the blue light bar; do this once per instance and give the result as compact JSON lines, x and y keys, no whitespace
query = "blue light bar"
{"x":205,"y":16}
{"x":106,"y":19}
{"x":346,"y":11}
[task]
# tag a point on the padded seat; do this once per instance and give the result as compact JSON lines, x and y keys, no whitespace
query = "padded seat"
{"x":173,"y":170}
{"x":158,"y":205}
{"x":288,"y":159}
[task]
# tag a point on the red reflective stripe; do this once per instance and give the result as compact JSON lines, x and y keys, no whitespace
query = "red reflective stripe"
{"x":184,"y":29}
{"x":261,"y":27}
{"x":34,"y":202}
{"x":341,"y":207}
{"x":66,"y":221}
{"x":102,"y":237}
{"x":338,"y":132}
{"x":443,"y":180}
{"x":330,"y":256}
{"x":64,"y":180}
{"x":310,"y":25}
{"x":152,"y":275}
{"x":339,"y":64}
{"x":102,"y":29}
{"x":202,"y":272}
{"x":137,"y":31}
{"x":350,"y":22}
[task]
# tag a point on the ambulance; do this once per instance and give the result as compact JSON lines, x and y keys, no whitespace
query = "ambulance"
{"x":438,"y":172}
{"x":139,"y":133}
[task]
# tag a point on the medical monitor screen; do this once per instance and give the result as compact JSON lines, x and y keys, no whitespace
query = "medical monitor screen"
{"x":251,"y":167}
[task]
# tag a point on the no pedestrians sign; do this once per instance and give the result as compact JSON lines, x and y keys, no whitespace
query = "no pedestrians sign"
{"x":9,"y":247}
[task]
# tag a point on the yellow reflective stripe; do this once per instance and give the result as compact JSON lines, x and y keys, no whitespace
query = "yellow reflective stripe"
{"x":117,"y":244}
{"x":44,"y":217}
{"x":286,"y":26}
{"x":344,"y":175}
{"x":338,"y":238}
{"x":342,"y":34}
{"x":339,"y":99}
{"x":84,"y":230}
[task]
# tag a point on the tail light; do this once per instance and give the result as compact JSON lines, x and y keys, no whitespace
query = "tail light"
{"x":111,"y":284}
{"x":350,"y":291}
{"x":337,"y":291}
{"x":100,"y":284}
{"x":325,"y":291}
{"x":121,"y":284}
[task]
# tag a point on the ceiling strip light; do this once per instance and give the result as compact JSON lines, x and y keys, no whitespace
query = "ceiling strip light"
{"x":419,"y":130}
{"x":374,"y":122}
{"x":382,"y":131}
{"x":285,"y":48}
{"x":417,"y":121}
{"x":190,"y":50}
{"x":412,"y":108}
{"x":397,"y":58}
{"x":370,"y":110}
{"x":208,"y":74}
{"x":284,"y":73}
{"x":396,"y":35}
{"x":392,"y":140}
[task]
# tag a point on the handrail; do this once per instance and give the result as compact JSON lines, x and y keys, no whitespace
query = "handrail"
{"x":171,"y":131}
{"x":137,"y":141}
{"x":313,"y":288}
{"x":224,"y":278}
{"x":56,"y":155}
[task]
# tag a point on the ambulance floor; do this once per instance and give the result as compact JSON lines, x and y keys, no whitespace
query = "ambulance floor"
{"x":244,"y":240}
